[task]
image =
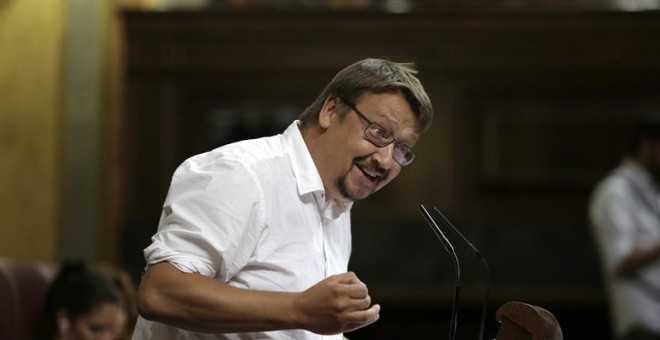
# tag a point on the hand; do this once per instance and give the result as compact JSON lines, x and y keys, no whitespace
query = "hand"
{"x":340,"y":303}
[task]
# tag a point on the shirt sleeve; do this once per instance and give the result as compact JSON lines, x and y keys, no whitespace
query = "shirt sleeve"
{"x":612,"y":216}
{"x":211,"y":220}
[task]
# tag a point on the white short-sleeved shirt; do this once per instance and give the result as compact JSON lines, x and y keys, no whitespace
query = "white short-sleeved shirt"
{"x":252,"y":215}
{"x":624,"y":213}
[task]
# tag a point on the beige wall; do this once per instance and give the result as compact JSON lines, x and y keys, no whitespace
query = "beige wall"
{"x":55,"y":103}
{"x":31,"y":76}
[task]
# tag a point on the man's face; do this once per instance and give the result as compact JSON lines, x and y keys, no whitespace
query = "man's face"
{"x":654,"y":163}
{"x":357,"y":167}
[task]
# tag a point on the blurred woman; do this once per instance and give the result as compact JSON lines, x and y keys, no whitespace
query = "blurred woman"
{"x":84,"y":305}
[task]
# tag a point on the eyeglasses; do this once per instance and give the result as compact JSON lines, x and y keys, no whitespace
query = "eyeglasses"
{"x":381,"y":138}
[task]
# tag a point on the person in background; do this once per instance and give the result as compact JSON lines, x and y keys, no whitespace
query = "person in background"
{"x":83,"y":305}
{"x":255,"y":237}
{"x":126,"y":286}
{"x":624,"y":212}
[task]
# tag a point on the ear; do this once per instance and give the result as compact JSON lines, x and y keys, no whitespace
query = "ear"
{"x":329,"y":110}
{"x":63,"y":323}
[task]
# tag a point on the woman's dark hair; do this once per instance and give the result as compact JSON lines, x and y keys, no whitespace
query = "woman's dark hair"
{"x":77,"y":291}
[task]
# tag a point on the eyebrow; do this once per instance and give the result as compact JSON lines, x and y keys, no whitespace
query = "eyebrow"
{"x":405,"y":141}
{"x":392,"y":122}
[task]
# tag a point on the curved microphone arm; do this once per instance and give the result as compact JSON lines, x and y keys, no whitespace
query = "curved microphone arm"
{"x":484,"y":305}
{"x":450,"y":250}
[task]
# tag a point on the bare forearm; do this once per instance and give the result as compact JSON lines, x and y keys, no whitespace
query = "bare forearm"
{"x":637,"y":259}
{"x":339,"y":303}
{"x":198,"y":303}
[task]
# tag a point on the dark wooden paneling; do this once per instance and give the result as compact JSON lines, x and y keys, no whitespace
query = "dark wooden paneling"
{"x":532,"y":108}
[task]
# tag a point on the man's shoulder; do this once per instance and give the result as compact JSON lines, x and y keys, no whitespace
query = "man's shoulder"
{"x":614,"y":185}
{"x":245,"y":153}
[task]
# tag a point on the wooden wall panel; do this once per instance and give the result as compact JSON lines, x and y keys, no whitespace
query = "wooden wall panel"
{"x":530,"y":110}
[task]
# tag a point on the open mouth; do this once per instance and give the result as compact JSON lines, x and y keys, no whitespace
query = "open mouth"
{"x":373,"y":176}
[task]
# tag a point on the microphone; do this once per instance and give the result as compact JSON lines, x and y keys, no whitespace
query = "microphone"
{"x":450,"y":250}
{"x":474,"y":249}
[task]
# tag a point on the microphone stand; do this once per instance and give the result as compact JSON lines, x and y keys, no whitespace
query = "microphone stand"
{"x":453,"y":325}
{"x":474,"y":249}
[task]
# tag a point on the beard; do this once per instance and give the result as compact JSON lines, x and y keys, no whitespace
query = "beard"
{"x":362,"y":191}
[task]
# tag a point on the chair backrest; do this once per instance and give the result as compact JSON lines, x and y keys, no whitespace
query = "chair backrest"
{"x":23,"y":288}
{"x":522,"y":321}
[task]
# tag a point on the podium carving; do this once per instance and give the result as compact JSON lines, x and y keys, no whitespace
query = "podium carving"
{"x":523,"y":321}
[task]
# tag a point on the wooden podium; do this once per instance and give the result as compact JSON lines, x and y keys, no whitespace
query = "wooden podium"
{"x":522,"y":321}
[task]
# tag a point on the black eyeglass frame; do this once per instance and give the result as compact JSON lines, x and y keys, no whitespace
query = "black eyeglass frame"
{"x":407,"y":155}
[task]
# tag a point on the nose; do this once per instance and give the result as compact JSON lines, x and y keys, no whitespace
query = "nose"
{"x":384,"y":156}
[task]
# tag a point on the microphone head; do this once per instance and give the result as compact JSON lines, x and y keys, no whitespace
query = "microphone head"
{"x":436,"y":230}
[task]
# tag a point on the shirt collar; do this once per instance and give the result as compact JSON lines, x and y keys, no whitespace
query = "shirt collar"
{"x":307,"y":175}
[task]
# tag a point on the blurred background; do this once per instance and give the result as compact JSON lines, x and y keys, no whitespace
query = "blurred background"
{"x":101,"y":100}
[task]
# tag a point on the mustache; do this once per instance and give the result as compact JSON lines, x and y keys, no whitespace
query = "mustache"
{"x":371,"y":165}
